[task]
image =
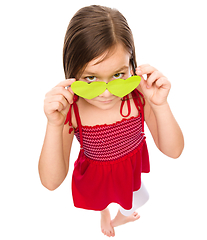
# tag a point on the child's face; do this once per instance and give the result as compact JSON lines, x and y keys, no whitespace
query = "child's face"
{"x":116,"y":65}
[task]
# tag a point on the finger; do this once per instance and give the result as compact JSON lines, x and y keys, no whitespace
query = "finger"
{"x":57,"y":98}
{"x":143,"y":84}
{"x":66,"y":82}
{"x":70,"y":90}
{"x":153,"y":78}
{"x":163,"y":83}
{"x":59,"y":107}
{"x":61,"y":91}
{"x":144,"y":65}
{"x":145,"y":69}
{"x":53,"y":107}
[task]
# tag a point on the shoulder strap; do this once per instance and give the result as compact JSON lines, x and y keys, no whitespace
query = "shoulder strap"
{"x":137,"y":101}
{"x":77,"y":116}
{"x":125,"y":98}
{"x":69,"y":115}
{"x":139,"y":105}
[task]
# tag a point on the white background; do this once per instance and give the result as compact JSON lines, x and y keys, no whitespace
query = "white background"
{"x":171,"y":36}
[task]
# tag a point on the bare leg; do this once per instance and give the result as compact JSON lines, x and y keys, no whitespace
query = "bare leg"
{"x":121,"y":219}
{"x":123,"y":216}
{"x":106,"y":226}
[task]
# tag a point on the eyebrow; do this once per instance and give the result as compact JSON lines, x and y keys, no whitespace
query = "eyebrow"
{"x":123,"y":68}
{"x":95,"y":74}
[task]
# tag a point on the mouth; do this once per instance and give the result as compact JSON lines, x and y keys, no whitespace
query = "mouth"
{"x":106,"y":101}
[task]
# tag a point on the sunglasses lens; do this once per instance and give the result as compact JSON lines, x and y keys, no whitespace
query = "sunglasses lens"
{"x":118,"y":87}
{"x":88,"y":91}
{"x":121,"y":88}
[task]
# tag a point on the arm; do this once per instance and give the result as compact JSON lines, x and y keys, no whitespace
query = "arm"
{"x":165,"y":130}
{"x":54,"y":157}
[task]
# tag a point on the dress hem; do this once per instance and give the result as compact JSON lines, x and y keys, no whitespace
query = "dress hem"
{"x":101,"y":209}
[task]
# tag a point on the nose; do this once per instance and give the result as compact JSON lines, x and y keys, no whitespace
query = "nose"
{"x":105,"y":94}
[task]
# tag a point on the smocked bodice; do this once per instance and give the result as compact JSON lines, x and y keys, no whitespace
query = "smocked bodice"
{"x":111,"y":142}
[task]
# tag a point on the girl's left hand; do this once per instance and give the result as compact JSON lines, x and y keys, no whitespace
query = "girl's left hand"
{"x":156,"y":87}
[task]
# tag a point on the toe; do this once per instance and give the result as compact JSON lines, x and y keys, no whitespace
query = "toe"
{"x":113,"y":234}
{"x":108,"y":234}
{"x":135,"y":214}
{"x":137,"y":217}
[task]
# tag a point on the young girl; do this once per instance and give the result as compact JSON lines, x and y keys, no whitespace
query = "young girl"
{"x":99,"y":48}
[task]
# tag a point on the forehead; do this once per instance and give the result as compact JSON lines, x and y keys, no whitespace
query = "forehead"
{"x":109,"y":63}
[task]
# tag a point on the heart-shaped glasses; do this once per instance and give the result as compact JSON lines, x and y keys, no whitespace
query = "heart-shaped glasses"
{"x":118,"y":87}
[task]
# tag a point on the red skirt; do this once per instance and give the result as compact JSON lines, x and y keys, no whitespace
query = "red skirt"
{"x":96,"y":184}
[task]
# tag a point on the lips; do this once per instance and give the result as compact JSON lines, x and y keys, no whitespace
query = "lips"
{"x":106,"y":101}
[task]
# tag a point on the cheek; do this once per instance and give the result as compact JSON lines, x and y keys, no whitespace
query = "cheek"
{"x":93,"y":101}
{"x":89,"y":100}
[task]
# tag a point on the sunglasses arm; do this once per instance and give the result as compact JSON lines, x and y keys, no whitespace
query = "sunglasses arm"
{"x":133,"y":66}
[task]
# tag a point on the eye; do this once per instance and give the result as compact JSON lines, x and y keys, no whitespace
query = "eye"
{"x":118,"y":75}
{"x":90,"y":78}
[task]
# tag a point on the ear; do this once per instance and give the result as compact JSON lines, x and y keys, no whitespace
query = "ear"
{"x":132,"y":72}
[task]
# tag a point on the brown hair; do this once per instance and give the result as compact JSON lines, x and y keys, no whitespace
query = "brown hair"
{"x":92,"y":31}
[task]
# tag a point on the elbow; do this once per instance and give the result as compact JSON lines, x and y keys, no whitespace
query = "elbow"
{"x":174,"y":155}
{"x":49,"y":186}
{"x":174,"y":151}
{"x":49,"y":182}
{"x":177,"y":153}
{"x":179,"y":150}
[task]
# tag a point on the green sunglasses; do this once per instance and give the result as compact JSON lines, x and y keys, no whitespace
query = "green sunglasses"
{"x":118,"y":87}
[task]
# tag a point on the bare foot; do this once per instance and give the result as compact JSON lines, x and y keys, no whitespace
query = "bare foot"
{"x":106,"y":227}
{"x":121,"y":219}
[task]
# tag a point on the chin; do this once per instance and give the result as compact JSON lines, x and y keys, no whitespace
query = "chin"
{"x":104,"y":107}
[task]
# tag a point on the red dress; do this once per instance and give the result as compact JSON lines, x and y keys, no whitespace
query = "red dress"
{"x":111,"y":160}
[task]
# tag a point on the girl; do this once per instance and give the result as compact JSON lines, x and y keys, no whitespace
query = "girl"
{"x":99,"y":51}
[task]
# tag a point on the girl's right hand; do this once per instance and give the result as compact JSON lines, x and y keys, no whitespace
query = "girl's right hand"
{"x":57,"y":102}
